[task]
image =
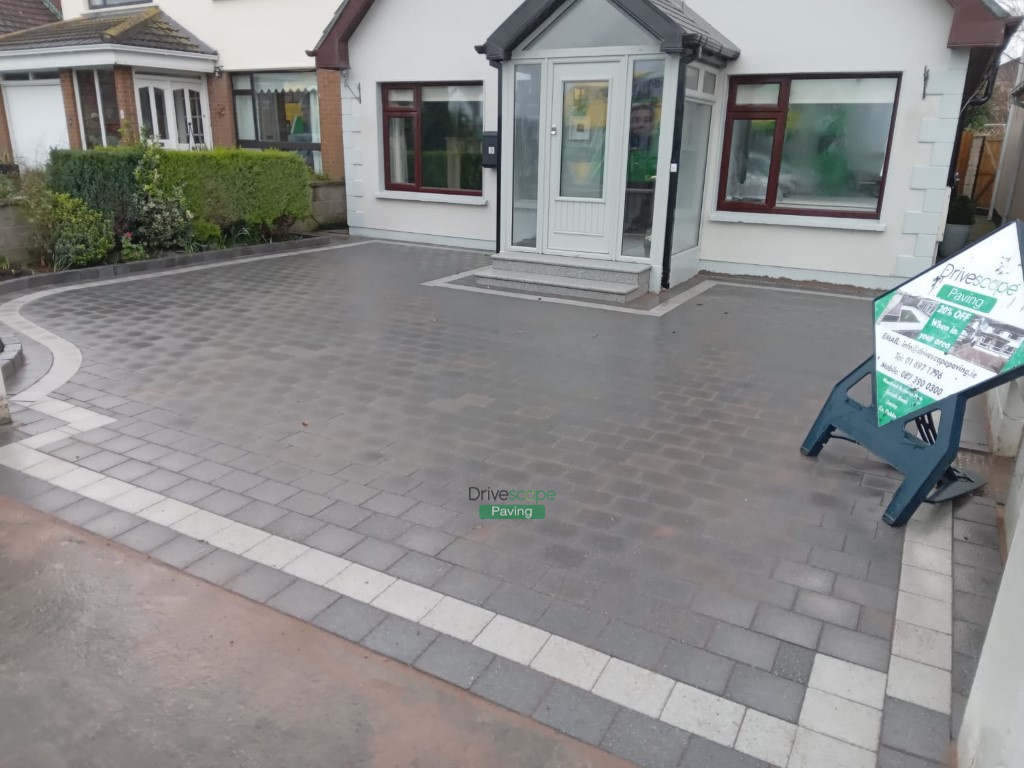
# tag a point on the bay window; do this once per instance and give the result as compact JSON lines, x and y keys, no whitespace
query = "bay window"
{"x":433,"y":137}
{"x":97,"y":107}
{"x":808,"y":145}
{"x":279,"y":110}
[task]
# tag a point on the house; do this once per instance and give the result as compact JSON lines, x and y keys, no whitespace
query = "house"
{"x":644,"y":140}
{"x":191,"y":73}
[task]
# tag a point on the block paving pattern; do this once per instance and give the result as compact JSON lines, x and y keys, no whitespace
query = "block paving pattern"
{"x":304,"y":432}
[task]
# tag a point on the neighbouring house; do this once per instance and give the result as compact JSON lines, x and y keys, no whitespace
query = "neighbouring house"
{"x":650,"y":139}
{"x":191,"y":73}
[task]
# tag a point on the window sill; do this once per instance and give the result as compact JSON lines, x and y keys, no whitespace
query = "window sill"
{"x":785,"y":220}
{"x":428,"y":197}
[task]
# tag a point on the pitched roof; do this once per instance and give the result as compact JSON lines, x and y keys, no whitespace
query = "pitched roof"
{"x":16,"y":15}
{"x":151,"y":28}
{"x":679,"y":28}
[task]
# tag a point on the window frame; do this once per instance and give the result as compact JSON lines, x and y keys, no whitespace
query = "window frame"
{"x":779,"y":113}
{"x":416,"y":113}
{"x":104,"y":5}
{"x":292,"y":146}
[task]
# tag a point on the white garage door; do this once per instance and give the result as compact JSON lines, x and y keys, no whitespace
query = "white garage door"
{"x":35,"y":116}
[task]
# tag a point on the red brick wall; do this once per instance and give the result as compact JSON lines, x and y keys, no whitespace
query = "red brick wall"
{"x":222,"y":110}
{"x":6,"y":150}
{"x":124,"y":87}
{"x":67,"y":89}
{"x":328,"y":83}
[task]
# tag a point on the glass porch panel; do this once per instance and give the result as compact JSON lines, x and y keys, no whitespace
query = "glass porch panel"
{"x":161,"y":114}
{"x":642,"y":166}
{"x":181,"y":115}
{"x":591,"y":24}
{"x":693,"y":160}
{"x":526,"y":155}
{"x":584,"y":131}
{"x":750,"y":160}
{"x":90,"y":107}
{"x":195,"y":105}
{"x":108,"y":103}
{"x":837,"y":134}
{"x":402,"y":150}
{"x":146,"y":118}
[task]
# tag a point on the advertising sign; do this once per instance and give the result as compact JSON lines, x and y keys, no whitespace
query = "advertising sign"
{"x":951,"y":328}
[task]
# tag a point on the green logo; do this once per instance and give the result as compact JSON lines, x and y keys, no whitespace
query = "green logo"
{"x":511,"y":511}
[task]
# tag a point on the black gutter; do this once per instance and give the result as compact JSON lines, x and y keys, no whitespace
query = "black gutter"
{"x":673,"y":187}
{"x":497,"y":206}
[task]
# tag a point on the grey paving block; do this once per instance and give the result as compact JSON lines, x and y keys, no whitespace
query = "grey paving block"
{"x":855,"y":646}
{"x":629,"y":643}
{"x":973,"y":608}
{"x":223,"y":502}
{"x":191,"y":491}
{"x":804,"y":576}
{"x":306,"y":503}
{"x":352,"y":493}
{"x":827,"y":608}
{"x":177,"y":460}
{"x":343,"y":514}
{"x":81,"y":512}
{"x":697,"y":667}
{"x":295,"y":526}
{"x":645,"y":741}
{"x":425,"y":540}
{"x":159,"y":480}
{"x":975,"y":581}
{"x":957,"y":717}
{"x":890,"y":758}
{"x":303,"y":600}
{"x":259,"y":582}
{"x":54,"y":499}
{"x":968,"y":638}
{"x":419,"y":569}
{"x":977,"y":556}
{"x":333,"y":540}
{"x":113,"y":524}
{"x":129,"y":471}
{"x":885,"y":573}
{"x":359,"y":473}
{"x":471,"y":586}
{"x":743,"y":645}
{"x":725,"y":606}
{"x":258,"y":514}
{"x":452,"y":660}
{"x":315,"y":483}
{"x":283,"y":472}
{"x":379,"y":555}
{"x":400,"y":639}
{"x":576,"y":712}
{"x":788,"y":626}
{"x":181,"y":551}
{"x":219,"y":566}
{"x":383,"y":527}
{"x":389,"y":503}
{"x":918,"y":731}
{"x":350,"y":619}
{"x":574,"y":622}
{"x":102,"y":461}
{"x":840,"y":562}
{"x":865,"y":593}
{"x":964,"y":668}
{"x":766,"y":692}
{"x":518,"y":602}
{"x":876,"y":623}
{"x":512,"y":685}
{"x":238,"y":481}
{"x":271,"y":491}
{"x":976,"y":533}
{"x":146,"y":537}
{"x":206,"y":471}
{"x":794,"y":663}
{"x":707,"y":754}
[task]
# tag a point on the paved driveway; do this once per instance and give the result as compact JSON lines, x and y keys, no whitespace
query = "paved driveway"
{"x":331,"y":399}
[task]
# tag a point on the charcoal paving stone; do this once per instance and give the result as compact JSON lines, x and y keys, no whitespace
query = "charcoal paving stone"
{"x":333,"y":540}
{"x":181,"y":551}
{"x":129,"y":470}
{"x":633,"y":644}
{"x":271,"y":491}
{"x":856,"y":647}
{"x":53,"y":500}
{"x":574,"y":622}
{"x":400,"y":639}
{"x":306,"y":503}
{"x":295,"y":526}
{"x":146,"y":537}
{"x":315,"y":483}
{"x":916,"y":730}
{"x":352,"y":493}
{"x":176,"y":461}
{"x":383,"y":527}
{"x":283,"y":472}
{"x":518,"y":603}
{"x":512,"y":685}
{"x":113,"y":524}
{"x":794,"y":663}
{"x":890,"y":758}
{"x":702,"y":753}
{"x":644,"y":741}
{"x":224,"y":502}
{"x":696,"y":667}
{"x":159,"y":480}
{"x":102,"y":461}
{"x":788,"y":626}
{"x":972,"y":608}
{"x":379,"y":555}
{"x":424,"y":540}
{"x":454,"y":660}
{"x":578,"y":713}
{"x":238,"y":481}
{"x":191,"y":491}
{"x":303,"y":600}
{"x":343,"y":514}
{"x":206,"y":471}
{"x":219,"y":566}
{"x":419,"y":569}
{"x":877,"y":623}
{"x":257,"y":514}
{"x":259,"y":582}
{"x":389,"y":504}
{"x":766,"y":692}
{"x":471,"y":586}
{"x":744,"y":645}
{"x":349,"y":618}
{"x":725,"y":606}
{"x":968,"y":638}
{"x":828,"y":609}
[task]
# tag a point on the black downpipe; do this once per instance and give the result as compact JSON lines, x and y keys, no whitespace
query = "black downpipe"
{"x":677,"y":145}
{"x":976,"y":100}
{"x":501,"y":160}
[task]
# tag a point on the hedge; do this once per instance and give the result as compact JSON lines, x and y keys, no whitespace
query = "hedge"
{"x":229,"y":187}
{"x":240,"y":186}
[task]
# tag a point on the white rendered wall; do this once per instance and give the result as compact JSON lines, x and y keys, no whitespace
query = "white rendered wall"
{"x":824,"y":36}
{"x":410,"y":40}
{"x":248,"y":34}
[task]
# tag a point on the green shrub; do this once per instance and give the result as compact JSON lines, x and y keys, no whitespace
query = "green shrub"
{"x":161,"y":220}
{"x":130,"y":250}
{"x":961,"y":210}
{"x":8,"y":187}
{"x":205,"y":232}
{"x":266,"y":190}
{"x":70,"y":233}
{"x":103,"y":178}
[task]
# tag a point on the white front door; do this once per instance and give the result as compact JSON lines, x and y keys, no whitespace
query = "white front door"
{"x":584,"y":175}
{"x":174,"y":112}
{"x":35,"y":114}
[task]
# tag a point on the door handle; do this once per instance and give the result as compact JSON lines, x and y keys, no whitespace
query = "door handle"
{"x":554,"y":130}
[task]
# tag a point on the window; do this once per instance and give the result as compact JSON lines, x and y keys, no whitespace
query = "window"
{"x":812,"y":146}
{"x":97,"y":107}
{"x":279,"y":110}
{"x":115,"y":3}
{"x":432,"y":137}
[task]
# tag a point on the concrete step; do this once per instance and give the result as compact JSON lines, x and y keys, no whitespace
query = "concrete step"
{"x":575,"y":267}
{"x":559,"y":285}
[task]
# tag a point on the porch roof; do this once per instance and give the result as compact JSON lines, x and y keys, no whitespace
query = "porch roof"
{"x":23,"y":14}
{"x":149,"y":29}
{"x":677,"y":26}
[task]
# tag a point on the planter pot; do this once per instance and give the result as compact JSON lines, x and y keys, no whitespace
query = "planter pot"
{"x":954,"y":239}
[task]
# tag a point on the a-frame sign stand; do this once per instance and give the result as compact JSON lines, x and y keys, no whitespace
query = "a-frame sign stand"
{"x":941,"y":338}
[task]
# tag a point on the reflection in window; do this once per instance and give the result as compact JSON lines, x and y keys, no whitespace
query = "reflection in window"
{"x":693,"y":158}
{"x":279,"y":110}
{"x":750,"y":160}
{"x":433,"y":136}
{"x":642,"y":165}
{"x":526,"y":156}
{"x":584,"y":131}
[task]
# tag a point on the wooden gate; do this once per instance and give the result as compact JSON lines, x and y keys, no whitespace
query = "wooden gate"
{"x":976,"y":168}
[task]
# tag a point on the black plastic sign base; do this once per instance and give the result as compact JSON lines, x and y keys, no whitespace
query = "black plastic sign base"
{"x":925,"y":460}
